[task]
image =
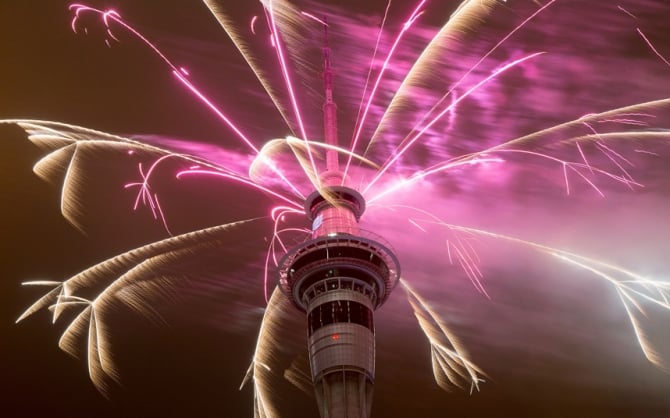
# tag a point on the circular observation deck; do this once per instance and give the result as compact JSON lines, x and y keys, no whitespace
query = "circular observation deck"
{"x":339,"y":261}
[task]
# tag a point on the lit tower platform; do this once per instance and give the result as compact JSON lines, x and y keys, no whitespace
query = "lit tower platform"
{"x":339,"y":277}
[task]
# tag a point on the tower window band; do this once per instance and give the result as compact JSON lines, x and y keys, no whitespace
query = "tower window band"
{"x":339,"y":311}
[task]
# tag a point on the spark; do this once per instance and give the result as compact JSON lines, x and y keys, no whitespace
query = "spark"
{"x":311,"y":16}
{"x":651,"y":46}
{"x":252,"y":24}
{"x":409,"y":143}
{"x":287,"y":80}
{"x":405,"y":27}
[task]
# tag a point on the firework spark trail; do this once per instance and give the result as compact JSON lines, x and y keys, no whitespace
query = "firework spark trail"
{"x":483,"y":154}
{"x":574,"y":166}
{"x":144,"y":194}
{"x":622,"y":291}
{"x":610,"y":153}
{"x":438,"y":168}
{"x":451,"y":365}
{"x":580,"y":121}
{"x":469,"y":71}
{"x":651,"y":46}
{"x":357,"y":121}
{"x":217,"y":10}
{"x":278,"y":214}
{"x":600,"y":269}
{"x":360,"y":123}
{"x":399,"y":153}
{"x":458,"y":23}
{"x":180,"y":73}
{"x":62,"y":137}
{"x":270,"y":14}
{"x":129,"y":279}
{"x":260,"y":371}
{"x":466,"y":254}
{"x":298,"y":149}
{"x":311,"y":16}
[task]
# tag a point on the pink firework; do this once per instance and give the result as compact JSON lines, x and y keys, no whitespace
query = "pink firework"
{"x":511,"y":154}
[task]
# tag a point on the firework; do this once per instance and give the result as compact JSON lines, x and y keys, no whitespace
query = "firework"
{"x":420,"y":171}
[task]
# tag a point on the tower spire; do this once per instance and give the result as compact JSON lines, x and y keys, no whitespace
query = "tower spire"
{"x":329,"y":107}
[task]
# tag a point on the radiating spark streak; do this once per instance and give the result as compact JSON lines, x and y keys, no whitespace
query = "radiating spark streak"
{"x":344,"y":151}
{"x":428,"y":320}
{"x":406,"y":26}
{"x":216,"y":9}
{"x":445,"y":29}
{"x":637,"y":329}
{"x":162,"y":214}
{"x":279,"y":211}
{"x":642,"y":151}
{"x":651,"y":46}
{"x":581,"y":153}
{"x":589,"y":264}
{"x":239,"y":180}
{"x":367,"y":77}
{"x":594,"y":267}
{"x":214,"y":109}
{"x":266,"y":280}
{"x":602,"y":145}
{"x":265,"y":343}
{"x":252,"y":24}
{"x":67,"y":184}
{"x":451,"y":164}
{"x":467,"y":259}
{"x":470,"y":250}
{"x":42,"y":283}
{"x":607,"y":151}
{"x":573,"y":166}
{"x":473,"y":272}
{"x":175,"y":70}
{"x":416,"y":225}
{"x":610,"y":154}
{"x":181,"y":76}
{"x":72,"y":297}
{"x":145,"y":190}
{"x":630,"y":298}
{"x":403,"y":150}
{"x":483,"y":58}
{"x":223,"y":117}
{"x":311,"y":16}
{"x":626,"y":11}
{"x":623,"y":121}
{"x":289,"y":84}
{"x":70,"y":303}
{"x":465,"y":10}
{"x":565,"y":176}
{"x":117,"y":19}
{"x":589,"y":117}
{"x":622,"y":291}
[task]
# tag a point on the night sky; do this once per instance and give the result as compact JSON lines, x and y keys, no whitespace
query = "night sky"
{"x":554,"y":341}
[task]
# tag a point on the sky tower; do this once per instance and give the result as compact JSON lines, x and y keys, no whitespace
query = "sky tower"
{"x":339,"y":277}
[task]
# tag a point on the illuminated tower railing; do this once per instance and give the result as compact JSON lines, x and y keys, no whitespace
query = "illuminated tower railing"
{"x":339,"y":278}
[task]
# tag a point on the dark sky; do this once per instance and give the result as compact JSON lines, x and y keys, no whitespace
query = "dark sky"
{"x":554,"y":341}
